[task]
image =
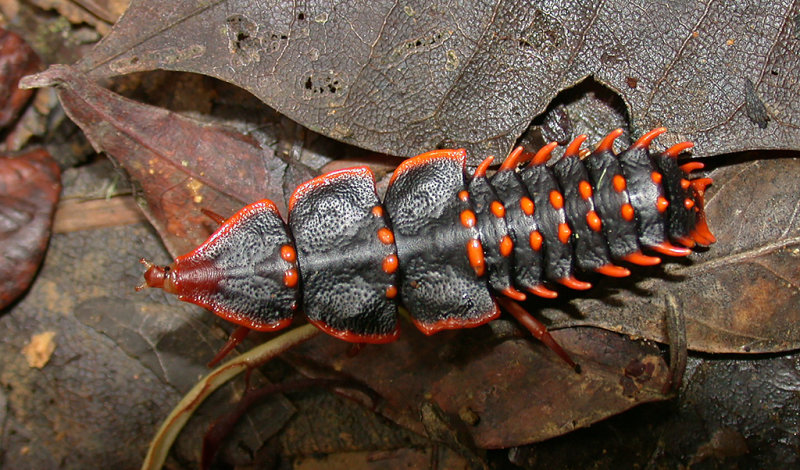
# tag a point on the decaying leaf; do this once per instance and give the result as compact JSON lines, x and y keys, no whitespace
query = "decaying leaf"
{"x":403,"y":79}
{"x":29,"y":190}
{"x":98,"y":14}
{"x":17,"y":59}
{"x":182,"y":165}
{"x":516,"y":390}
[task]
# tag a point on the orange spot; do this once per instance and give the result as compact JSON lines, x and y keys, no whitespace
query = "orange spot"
{"x":692,"y":166}
{"x":290,"y":278}
{"x":627,"y":212}
{"x":641,"y":259}
{"x":543,"y":291}
{"x":688,"y":203}
{"x":506,"y":246}
{"x":619,"y":183}
{"x":463,"y":195}
{"x":662,"y":204}
{"x":391,"y":292}
{"x":685,"y":183}
{"x":498,"y":209}
{"x":390,"y":264}
{"x":585,"y":189}
{"x":573,"y":283}
{"x":377,"y":211}
{"x":468,"y":218}
{"x":594,"y":221}
{"x":288,"y":253}
{"x":613,"y":270}
{"x":475,"y":255}
{"x":513,"y":294}
{"x":536,"y":240}
{"x":385,"y":236}
{"x":556,"y":200}
{"x":656,"y":177}
{"x":564,"y":232}
{"x":527,"y":205}
{"x":667,"y":248}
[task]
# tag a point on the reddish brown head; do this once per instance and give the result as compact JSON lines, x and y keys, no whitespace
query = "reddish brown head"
{"x":157,"y":276}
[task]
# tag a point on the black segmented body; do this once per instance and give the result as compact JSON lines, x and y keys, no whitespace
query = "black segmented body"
{"x":442,"y":241}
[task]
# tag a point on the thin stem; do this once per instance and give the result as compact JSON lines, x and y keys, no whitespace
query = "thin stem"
{"x":172,"y":425}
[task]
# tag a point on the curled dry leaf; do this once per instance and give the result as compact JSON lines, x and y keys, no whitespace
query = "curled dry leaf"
{"x":17,"y":59}
{"x":29,"y":189}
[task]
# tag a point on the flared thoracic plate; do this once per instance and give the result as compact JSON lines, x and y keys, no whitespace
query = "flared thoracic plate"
{"x":347,"y":256}
{"x":240,"y":273}
{"x":434,"y":224}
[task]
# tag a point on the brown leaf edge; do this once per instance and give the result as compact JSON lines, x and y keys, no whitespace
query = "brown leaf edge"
{"x":181,"y":165}
{"x":30,"y":186}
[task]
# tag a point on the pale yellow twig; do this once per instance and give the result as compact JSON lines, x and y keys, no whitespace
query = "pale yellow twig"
{"x":172,"y":425}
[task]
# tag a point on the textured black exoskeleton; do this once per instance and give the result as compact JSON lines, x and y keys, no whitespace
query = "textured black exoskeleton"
{"x":443,"y":242}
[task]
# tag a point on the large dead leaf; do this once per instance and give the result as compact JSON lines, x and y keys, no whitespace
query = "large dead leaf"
{"x":514,"y":390}
{"x":407,"y":78}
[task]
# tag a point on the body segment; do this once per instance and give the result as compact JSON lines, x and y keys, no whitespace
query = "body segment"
{"x":342,"y":245}
{"x":442,"y":265}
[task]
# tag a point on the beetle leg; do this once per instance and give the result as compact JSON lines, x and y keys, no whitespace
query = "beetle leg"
{"x":537,"y":329}
{"x":213,"y":216}
{"x":238,"y":335}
